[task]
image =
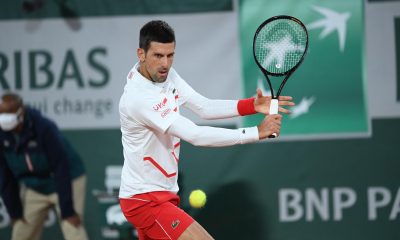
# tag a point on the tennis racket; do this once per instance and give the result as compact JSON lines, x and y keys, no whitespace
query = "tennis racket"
{"x":279,"y":46}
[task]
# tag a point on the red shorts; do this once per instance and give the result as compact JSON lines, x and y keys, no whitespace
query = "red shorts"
{"x":156,"y":215}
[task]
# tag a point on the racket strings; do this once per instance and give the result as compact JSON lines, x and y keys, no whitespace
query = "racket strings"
{"x":280,"y":45}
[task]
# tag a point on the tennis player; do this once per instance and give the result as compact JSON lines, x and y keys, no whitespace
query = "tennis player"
{"x":152,"y":126}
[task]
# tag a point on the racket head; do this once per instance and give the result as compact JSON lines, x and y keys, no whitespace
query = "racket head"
{"x":280,"y":44}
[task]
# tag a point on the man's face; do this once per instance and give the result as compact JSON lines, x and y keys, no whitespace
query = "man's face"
{"x":10,"y":115}
{"x":156,"y":62}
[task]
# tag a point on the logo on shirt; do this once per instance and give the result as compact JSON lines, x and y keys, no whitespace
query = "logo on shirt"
{"x":130,"y":75}
{"x":165,"y":112}
{"x":160,"y":105}
{"x":175,"y":224}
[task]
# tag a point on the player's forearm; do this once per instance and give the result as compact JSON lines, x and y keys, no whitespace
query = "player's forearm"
{"x":219,"y":109}
{"x":212,"y":108}
{"x":211,"y":136}
{"x":9,"y":191}
{"x":58,"y":162}
{"x":12,"y":201}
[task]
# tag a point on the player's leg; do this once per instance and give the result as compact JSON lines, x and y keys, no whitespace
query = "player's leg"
{"x":69,"y":231}
{"x":171,"y":222}
{"x":195,"y":232}
{"x":165,"y":221}
{"x":155,"y":220}
{"x":36,"y":207}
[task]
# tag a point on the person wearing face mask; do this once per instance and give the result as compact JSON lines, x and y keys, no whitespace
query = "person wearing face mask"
{"x":38,"y":170}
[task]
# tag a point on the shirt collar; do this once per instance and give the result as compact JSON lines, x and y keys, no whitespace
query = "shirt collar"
{"x":144,"y":80}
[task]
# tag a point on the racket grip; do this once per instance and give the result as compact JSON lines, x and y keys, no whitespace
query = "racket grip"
{"x":274,"y":135}
{"x":273,"y":109}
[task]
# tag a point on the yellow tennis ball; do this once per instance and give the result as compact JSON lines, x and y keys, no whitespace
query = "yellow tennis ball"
{"x":197,"y":198}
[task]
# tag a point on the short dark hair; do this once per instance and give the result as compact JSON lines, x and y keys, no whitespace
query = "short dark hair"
{"x":155,"y":31}
{"x":14,"y":99}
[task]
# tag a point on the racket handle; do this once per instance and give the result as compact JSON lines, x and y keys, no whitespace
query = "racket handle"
{"x":274,"y":135}
{"x":273,"y":109}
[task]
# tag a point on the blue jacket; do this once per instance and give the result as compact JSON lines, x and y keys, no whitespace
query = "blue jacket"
{"x":41,"y":159}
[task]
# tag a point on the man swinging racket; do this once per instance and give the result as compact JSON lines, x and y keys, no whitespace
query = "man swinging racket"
{"x":152,"y":126}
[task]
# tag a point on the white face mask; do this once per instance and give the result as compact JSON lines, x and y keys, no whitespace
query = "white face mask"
{"x":8,"y":121}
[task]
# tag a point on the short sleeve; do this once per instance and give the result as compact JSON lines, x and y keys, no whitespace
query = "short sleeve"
{"x":156,"y":112}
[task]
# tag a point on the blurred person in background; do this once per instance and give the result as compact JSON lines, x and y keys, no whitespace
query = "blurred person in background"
{"x":39,"y":170}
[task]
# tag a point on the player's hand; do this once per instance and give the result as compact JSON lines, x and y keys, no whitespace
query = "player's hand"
{"x":271,"y":124}
{"x":74,"y":220}
{"x":262,"y":103}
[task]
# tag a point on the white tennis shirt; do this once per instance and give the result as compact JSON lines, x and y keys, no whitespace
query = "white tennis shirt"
{"x":152,"y":126}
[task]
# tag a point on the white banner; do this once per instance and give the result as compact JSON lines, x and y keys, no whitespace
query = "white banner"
{"x":74,"y":71}
{"x":381,"y":59}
